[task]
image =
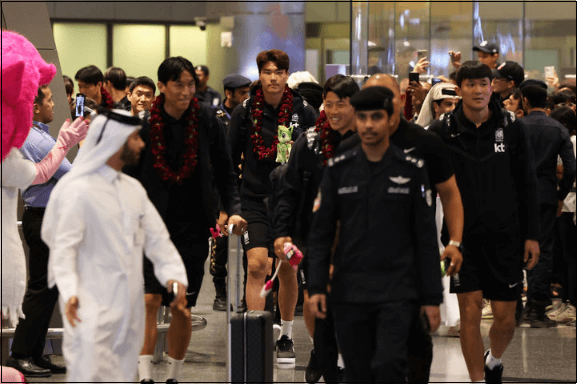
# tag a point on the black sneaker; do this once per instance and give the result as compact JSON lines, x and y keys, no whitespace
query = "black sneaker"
{"x":171,"y":381}
{"x":147,"y":381}
{"x":493,"y":376}
{"x":285,"y":351}
{"x":314,"y":371}
{"x":341,"y":375}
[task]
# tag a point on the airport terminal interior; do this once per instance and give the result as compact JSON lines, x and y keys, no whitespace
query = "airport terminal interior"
{"x":324,"y":38}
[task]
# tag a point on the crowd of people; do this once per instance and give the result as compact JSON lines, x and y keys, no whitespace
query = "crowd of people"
{"x":349,"y":174}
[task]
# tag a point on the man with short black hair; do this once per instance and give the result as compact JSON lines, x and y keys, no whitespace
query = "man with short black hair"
{"x":501,"y":212}
{"x":506,"y":79}
{"x":488,"y":53}
{"x":386,"y":262}
{"x":549,"y":139}
{"x":255,"y":129}
{"x":90,"y":82}
{"x":236,"y":90}
{"x":514,"y":103}
{"x":115,"y":84}
{"x":293,"y":210}
{"x":185,"y":160}
{"x":141,"y":94}
{"x":203,"y":91}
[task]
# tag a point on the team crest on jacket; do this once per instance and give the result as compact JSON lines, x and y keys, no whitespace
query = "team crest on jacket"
{"x":499,"y":135}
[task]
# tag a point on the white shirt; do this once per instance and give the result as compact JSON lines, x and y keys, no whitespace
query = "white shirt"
{"x":103,"y":230}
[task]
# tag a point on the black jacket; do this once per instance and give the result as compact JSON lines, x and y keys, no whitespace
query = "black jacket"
{"x":495,"y":171}
{"x":256,"y":186}
{"x":387,"y":249}
{"x":300,"y":184}
{"x":214,"y":164}
{"x":548,"y":139}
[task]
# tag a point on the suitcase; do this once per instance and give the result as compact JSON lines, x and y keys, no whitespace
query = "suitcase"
{"x":250,"y":344}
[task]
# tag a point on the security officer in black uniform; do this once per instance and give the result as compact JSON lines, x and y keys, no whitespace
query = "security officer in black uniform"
{"x":386,"y":261}
{"x":204,"y":93}
{"x":236,"y":90}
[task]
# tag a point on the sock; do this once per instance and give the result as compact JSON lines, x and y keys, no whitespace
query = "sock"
{"x":145,"y":367}
{"x":174,"y":368}
{"x":492,"y":361}
{"x":340,"y":361}
{"x":286,"y":328}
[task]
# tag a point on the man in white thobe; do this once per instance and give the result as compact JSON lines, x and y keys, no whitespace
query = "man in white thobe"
{"x":97,"y":223}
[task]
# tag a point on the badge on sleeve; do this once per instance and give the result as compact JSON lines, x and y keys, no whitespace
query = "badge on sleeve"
{"x":317,"y":203}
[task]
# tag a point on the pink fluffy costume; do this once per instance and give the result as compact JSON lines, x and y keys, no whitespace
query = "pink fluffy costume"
{"x":23,"y":71}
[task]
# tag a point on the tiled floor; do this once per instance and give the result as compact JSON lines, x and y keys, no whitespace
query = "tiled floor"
{"x":534,"y":355}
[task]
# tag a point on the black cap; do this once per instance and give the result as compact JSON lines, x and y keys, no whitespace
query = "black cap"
{"x":532,"y":82}
{"x":235,"y":81}
{"x":487,"y":47}
{"x":312,"y":92}
{"x":372,"y":98}
{"x":511,"y":71}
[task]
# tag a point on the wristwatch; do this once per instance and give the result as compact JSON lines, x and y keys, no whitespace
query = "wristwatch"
{"x":457,"y":244}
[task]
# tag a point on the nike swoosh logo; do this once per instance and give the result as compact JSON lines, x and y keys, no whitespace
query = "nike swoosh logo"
{"x":513,"y":285}
{"x":407,"y":150}
{"x":191,"y":293}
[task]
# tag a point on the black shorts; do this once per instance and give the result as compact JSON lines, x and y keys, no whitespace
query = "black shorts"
{"x":258,"y":233}
{"x":192,"y":244}
{"x":493,"y":264}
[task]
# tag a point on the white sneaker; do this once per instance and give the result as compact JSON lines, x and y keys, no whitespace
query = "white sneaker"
{"x":553,"y":307}
{"x":554,"y":315}
{"x":487,"y":312}
{"x":567,"y":315}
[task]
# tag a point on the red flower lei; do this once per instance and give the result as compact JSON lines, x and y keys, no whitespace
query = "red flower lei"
{"x":106,"y":99}
{"x":158,"y":145}
{"x":326,"y":132}
{"x":286,"y":107}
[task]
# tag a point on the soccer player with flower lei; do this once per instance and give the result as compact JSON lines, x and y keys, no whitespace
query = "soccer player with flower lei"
{"x":185,"y":156}
{"x":293,"y":214}
{"x":254,"y":129}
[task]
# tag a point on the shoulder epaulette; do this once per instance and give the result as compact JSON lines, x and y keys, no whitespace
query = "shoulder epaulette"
{"x":411,"y":159}
{"x":346,"y":156}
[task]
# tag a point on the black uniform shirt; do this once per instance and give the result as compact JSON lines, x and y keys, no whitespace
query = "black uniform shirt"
{"x":209,"y":96}
{"x":387,"y":249}
{"x":414,"y":139}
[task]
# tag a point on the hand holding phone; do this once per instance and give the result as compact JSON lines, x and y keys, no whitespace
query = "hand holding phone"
{"x":413,"y":76}
{"x":80,"y":98}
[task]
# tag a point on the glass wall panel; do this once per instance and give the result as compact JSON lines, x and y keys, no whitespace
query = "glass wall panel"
{"x":189,"y":42}
{"x":139,"y":49}
{"x":450,"y":31}
{"x":500,"y":23}
{"x":550,"y":38}
{"x":381,"y":44}
{"x":79,"y":45}
{"x":411,"y":34}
